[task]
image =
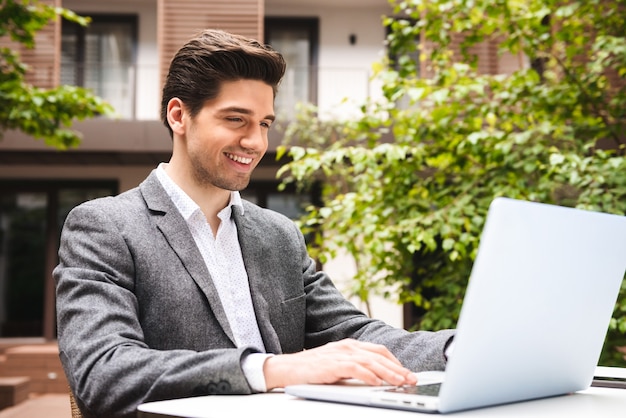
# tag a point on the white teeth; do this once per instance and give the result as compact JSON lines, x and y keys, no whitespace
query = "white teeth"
{"x":239,"y":159}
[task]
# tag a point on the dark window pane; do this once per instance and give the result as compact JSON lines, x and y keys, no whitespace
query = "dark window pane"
{"x":22,"y":263}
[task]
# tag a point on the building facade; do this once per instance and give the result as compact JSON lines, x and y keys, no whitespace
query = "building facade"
{"x":330,"y":46}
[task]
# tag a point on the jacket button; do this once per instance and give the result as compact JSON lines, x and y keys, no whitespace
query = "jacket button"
{"x":212,"y":388}
{"x":223,"y":387}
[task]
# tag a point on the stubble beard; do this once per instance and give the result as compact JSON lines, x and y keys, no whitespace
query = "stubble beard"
{"x":213,"y":178}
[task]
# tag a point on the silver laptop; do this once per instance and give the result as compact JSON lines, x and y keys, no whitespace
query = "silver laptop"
{"x":534,"y":318}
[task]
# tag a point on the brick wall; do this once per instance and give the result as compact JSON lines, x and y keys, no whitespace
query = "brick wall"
{"x":44,"y":59}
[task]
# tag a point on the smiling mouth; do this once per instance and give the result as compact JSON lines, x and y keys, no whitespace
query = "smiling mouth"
{"x":241,"y":160}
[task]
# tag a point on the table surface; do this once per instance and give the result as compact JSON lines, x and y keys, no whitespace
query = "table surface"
{"x":593,"y":402}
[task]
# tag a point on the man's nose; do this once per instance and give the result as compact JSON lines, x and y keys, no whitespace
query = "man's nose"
{"x":254,"y":138}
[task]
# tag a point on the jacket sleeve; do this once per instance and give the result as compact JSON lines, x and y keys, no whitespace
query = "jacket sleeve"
{"x":110,"y":367}
{"x":312,"y":310}
{"x":330,"y":317}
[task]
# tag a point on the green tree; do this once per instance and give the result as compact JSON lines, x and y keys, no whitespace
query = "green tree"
{"x":42,"y":113}
{"x":410,"y":211}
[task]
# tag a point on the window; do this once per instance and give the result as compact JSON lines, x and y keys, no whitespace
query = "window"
{"x":101,"y":57}
{"x":297,"y":40}
{"x":410,"y":56}
{"x":287,"y":202}
{"x":411,"y":52}
{"x":31,"y":216}
{"x":539,"y":62}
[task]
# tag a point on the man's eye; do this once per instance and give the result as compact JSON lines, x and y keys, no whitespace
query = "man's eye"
{"x":266,"y":124}
{"x":234,"y":119}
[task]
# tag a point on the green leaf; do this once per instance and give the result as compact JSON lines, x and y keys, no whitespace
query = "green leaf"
{"x":41,"y":113}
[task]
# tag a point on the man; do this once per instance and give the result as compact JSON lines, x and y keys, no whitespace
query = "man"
{"x":179,"y":288}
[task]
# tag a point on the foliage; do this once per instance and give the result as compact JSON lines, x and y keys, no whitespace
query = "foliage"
{"x":411,"y":210}
{"x":42,"y":113}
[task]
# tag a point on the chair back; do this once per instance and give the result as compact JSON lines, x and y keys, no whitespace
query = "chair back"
{"x":75,"y":411}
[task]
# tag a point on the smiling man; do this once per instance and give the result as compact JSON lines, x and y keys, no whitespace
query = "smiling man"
{"x":180,"y":288}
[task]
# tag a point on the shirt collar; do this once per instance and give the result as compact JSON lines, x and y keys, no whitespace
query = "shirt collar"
{"x":185,"y":204}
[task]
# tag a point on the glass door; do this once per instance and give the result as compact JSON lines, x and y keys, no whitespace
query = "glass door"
{"x":297,"y":40}
{"x":31,"y":217}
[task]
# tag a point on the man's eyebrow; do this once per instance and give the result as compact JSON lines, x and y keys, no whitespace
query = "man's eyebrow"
{"x":244,"y":111}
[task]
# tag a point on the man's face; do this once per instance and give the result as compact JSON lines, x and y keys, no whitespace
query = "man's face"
{"x":229,"y":136}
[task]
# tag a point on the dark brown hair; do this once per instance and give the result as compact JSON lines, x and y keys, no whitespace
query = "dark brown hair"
{"x":211,"y":58}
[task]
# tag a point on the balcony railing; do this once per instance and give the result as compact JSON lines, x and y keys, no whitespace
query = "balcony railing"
{"x":135,"y":91}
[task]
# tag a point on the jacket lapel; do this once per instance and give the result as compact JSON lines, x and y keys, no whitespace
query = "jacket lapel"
{"x":174,"y":228}
{"x":260,"y":290}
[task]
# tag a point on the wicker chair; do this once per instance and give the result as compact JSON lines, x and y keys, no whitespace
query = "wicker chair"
{"x":75,"y":411}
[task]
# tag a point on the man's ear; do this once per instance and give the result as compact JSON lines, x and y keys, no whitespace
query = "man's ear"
{"x":176,"y":115}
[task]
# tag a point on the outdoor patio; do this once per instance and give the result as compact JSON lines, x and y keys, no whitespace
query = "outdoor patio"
{"x":32,"y":382}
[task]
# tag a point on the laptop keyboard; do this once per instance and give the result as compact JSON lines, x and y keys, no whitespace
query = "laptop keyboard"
{"x":428,"y":390}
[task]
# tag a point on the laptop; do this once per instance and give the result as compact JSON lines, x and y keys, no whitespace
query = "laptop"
{"x":534,"y":318}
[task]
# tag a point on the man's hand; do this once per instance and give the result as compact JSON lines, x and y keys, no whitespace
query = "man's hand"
{"x":371,"y":363}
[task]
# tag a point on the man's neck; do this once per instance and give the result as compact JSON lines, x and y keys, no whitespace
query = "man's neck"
{"x":210,"y":199}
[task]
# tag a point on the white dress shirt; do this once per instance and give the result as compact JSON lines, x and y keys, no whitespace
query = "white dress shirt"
{"x":222,"y":256}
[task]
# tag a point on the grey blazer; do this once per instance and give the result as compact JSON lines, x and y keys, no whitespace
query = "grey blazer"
{"x":139,"y":318}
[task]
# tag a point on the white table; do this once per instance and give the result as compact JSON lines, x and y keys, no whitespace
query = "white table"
{"x":591,"y":403}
